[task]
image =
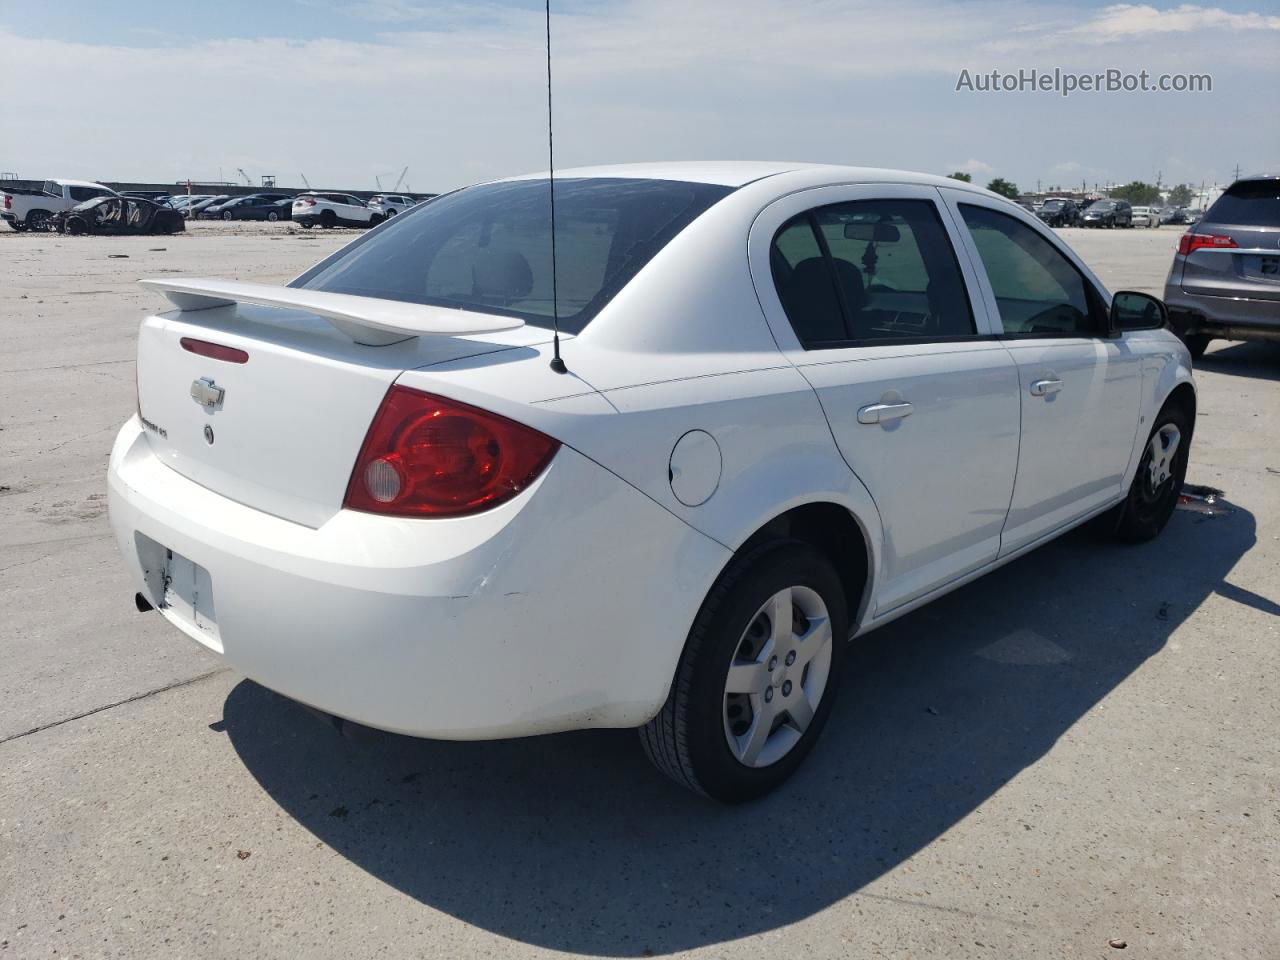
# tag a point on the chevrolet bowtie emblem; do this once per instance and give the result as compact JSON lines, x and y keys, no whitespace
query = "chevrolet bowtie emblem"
{"x":206,"y":393}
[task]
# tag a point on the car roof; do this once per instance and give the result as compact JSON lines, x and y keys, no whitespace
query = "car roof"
{"x":78,"y":183}
{"x":737,"y":173}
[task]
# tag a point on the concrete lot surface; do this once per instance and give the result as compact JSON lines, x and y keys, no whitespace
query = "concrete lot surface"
{"x":1078,"y":748}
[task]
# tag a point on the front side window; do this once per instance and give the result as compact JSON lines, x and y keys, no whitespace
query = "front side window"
{"x":1037,"y":289}
{"x":868,"y":271}
{"x":488,"y":248}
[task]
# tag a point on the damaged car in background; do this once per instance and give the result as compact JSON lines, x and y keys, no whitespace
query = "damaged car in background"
{"x":119,"y":215}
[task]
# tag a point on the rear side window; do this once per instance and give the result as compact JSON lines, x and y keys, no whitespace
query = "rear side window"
{"x":488,"y":248}
{"x":870,"y":271}
{"x":1250,"y":203}
{"x":81,"y":194}
{"x":1037,"y":289}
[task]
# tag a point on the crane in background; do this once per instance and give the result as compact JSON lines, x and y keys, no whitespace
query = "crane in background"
{"x":247,"y":181}
{"x":399,"y":180}
{"x":305,"y":181}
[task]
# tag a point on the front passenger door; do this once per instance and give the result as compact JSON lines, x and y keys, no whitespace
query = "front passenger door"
{"x":1080,"y":389}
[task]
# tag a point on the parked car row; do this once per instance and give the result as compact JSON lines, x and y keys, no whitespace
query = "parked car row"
{"x":28,"y":209}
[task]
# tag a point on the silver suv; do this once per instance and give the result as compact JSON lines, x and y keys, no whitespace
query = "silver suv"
{"x":1225,"y":280}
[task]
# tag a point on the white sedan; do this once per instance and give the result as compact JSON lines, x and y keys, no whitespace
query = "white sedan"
{"x":1146,"y":217}
{"x":793,"y":402}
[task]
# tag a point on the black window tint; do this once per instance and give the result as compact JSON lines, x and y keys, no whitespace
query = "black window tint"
{"x":888,"y":265}
{"x":803,"y":281}
{"x":1037,"y":289}
{"x":488,"y":248}
{"x":1251,"y":203}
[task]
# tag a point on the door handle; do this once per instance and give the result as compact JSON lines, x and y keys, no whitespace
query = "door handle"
{"x":1045,"y":388}
{"x":884,"y":412}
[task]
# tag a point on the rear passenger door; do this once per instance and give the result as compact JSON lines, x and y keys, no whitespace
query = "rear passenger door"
{"x":1080,"y":388}
{"x":865,"y":294}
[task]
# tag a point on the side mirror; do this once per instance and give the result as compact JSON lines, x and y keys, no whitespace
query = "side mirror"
{"x":1131,"y":310}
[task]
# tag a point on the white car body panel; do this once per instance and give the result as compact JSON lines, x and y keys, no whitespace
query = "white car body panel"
{"x":365,"y":320}
{"x":398,"y":622}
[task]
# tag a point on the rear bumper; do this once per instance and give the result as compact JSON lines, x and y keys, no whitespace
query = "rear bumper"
{"x":1233,"y":318}
{"x":564,"y":608}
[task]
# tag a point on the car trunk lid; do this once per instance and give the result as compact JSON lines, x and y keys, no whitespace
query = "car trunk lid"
{"x":275,"y":418}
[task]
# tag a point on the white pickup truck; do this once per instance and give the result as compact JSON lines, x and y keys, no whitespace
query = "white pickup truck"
{"x":29,"y":209}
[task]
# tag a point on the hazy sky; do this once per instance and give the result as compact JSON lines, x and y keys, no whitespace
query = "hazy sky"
{"x":343,"y":91}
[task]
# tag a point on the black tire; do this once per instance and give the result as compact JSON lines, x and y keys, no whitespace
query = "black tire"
{"x":1197,"y":343}
{"x":687,"y":740}
{"x":391,"y":212}
{"x":38,"y":220}
{"x":1149,"y":506}
{"x":273,"y":216}
{"x":305,"y":224}
{"x":327,"y":219}
{"x":228,"y":215}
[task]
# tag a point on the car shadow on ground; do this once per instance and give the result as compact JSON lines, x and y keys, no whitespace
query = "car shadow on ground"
{"x":573,"y":842}
{"x":1259,"y":359}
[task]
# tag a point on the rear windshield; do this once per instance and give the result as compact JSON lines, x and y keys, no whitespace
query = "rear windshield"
{"x":1251,"y":203}
{"x":488,"y":248}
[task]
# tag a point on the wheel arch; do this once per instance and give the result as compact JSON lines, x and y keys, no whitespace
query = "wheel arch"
{"x":840,"y":534}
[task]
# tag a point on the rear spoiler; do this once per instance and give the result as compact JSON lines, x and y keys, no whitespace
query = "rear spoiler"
{"x":366,"y":320}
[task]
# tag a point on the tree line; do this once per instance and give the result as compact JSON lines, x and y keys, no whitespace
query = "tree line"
{"x":1137,"y":192}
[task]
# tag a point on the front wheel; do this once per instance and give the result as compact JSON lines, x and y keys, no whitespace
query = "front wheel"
{"x":1155,"y":488}
{"x":273,"y":216}
{"x":227,"y":215}
{"x":1197,"y":344}
{"x":754,"y":686}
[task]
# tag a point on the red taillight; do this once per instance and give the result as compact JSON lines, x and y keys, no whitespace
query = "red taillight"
{"x":1196,"y":241}
{"x":8,"y":202}
{"x":307,"y":203}
{"x":215,"y":351}
{"x":427,"y":456}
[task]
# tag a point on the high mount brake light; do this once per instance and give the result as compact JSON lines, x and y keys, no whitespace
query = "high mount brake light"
{"x":428,"y":456}
{"x":1198,"y":241}
{"x":215,"y":351}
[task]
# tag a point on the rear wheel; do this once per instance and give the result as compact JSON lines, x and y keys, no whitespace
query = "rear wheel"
{"x":759,"y":672}
{"x":227,"y":215}
{"x":38,"y":220}
{"x":305,"y":224}
{"x":1155,"y":488}
{"x":327,"y":219}
{"x":273,"y":216}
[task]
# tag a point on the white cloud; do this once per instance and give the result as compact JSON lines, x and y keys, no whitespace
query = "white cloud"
{"x":976,"y":167}
{"x":460,"y":97}
{"x":1126,"y":20}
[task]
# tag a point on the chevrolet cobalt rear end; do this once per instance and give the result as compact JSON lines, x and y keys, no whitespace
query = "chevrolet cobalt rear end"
{"x":372,"y":491}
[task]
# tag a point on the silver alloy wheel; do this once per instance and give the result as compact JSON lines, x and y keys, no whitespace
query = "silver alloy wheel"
{"x":777,"y":677}
{"x":1163,"y":448}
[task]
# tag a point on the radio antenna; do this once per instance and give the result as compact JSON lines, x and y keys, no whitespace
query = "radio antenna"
{"x":556,"y":363}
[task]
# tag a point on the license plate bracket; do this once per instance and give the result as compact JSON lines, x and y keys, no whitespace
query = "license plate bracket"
{"x":187,"y":599}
